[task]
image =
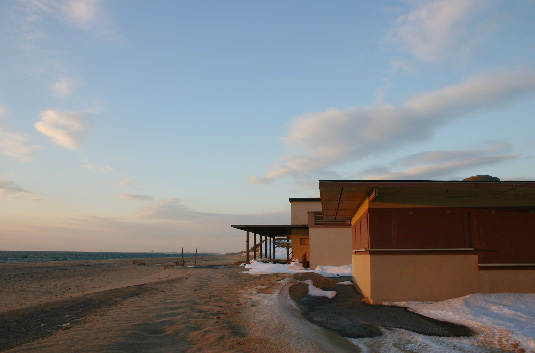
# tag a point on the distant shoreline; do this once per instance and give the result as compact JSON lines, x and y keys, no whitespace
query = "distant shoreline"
{"x":9,"y":256}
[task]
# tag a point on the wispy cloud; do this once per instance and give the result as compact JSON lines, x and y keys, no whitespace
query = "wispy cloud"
{"x":136,"y":197}
{"x":166,"y":225}
{"x":441,"y":170}
{"x":81,"y":12}
{"x":170,"y":209}
{"x":16,"y":145}
{"x":63,"y":88}
{"x":445,"y":164}
{"x":434,"y":30}
{"x":126,"y":182}
{"x":322,"y":140}
{"x":454,"y":155}
{"x":10,"y":190}
{"x":87,"y":15}
{"x":88,"y":165}
{"x":66,"y":129}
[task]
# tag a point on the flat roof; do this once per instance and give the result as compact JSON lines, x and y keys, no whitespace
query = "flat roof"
{"x":304,"y":199}
{"x":341,"y":198}
{"x":270,"y":230}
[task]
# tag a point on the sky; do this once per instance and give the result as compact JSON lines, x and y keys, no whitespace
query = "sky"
{"x":132,"y":125}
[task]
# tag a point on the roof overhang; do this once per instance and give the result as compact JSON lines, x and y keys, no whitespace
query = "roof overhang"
{"x":271,"y":231}
{"x":341,"y":198}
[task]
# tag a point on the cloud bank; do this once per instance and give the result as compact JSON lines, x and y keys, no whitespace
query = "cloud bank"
{"x":166,"y":225}
{"x":65,"y":129}
{"x":325,"y":139}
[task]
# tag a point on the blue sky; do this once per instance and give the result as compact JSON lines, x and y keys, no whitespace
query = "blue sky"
{"x":152,"y":125}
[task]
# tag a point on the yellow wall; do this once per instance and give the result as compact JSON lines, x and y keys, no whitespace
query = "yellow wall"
{"x":300,"y":210}
{"x":362,"y":273}
{"x":299,"y":250}
{"x":330,"y":246}
{"x":387,"y":278}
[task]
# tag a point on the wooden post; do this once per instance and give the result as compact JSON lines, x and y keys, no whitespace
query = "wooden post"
{"x":273,"y":244}
{"x":247,"y":248}
{"x":196,"y":256}
{"x":265,"y":247}
{"x":260,"y":246}
{"x":287,"y":249}
{"x":254,"y":253}
{"x":183,"y":262}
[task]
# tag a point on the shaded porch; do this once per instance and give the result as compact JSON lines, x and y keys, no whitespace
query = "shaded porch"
{"x":265,"y":238}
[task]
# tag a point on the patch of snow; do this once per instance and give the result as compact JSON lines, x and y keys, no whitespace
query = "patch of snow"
{"x":346,"y":283}
{"x":257,"y":267}
{"x":318,"y":292}
{"x":502,"y":322}
{"x":335,"y":271}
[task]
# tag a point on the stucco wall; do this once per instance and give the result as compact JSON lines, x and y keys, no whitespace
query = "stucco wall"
{"x":387,"y":278}
{"x":330,"y":246}
{"x":362,"y":273}
{"x":299,"y":250}
{"x":300,"y":210}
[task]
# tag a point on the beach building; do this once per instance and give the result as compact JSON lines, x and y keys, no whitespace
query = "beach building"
{"x":433,"y":240}
{"x":309,"y":238}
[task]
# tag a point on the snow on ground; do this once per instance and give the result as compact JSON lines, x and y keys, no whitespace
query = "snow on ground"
{"x":318,"y":292}
{"x":257,"y":267}
{"x":502,"y":322}
{"x":335,"y":271}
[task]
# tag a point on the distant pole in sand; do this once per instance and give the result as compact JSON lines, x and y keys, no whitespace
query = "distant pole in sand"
{"x":183,"y":262}
{"x":196,"y":256}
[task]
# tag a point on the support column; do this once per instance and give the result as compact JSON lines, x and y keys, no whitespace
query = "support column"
{"x":261,"y":246}
{"x":247,"y":248}
{"x":273,"y":245}
{"x":265,"y":247}
{"x":287,"y":249}
{"x":254,"y":253}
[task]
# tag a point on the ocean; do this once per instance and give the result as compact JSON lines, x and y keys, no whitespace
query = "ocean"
{"x":32,"y":256}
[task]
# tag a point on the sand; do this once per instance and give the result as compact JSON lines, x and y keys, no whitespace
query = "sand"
{"x":116,"y":306}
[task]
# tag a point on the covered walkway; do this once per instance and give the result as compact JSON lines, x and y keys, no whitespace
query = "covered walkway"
{"x":264,"y":239}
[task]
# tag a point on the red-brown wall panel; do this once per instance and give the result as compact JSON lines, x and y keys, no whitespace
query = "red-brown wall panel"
{"x":418,"y":228}
{"x":361,"y":234}
{"x":505,"y":236}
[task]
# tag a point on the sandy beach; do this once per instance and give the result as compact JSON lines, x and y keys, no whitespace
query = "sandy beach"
{"x":116,"y":306}
{"x":120,"y":306}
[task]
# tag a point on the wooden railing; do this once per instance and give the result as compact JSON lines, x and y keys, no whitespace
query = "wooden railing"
{"x":317,"y":219}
